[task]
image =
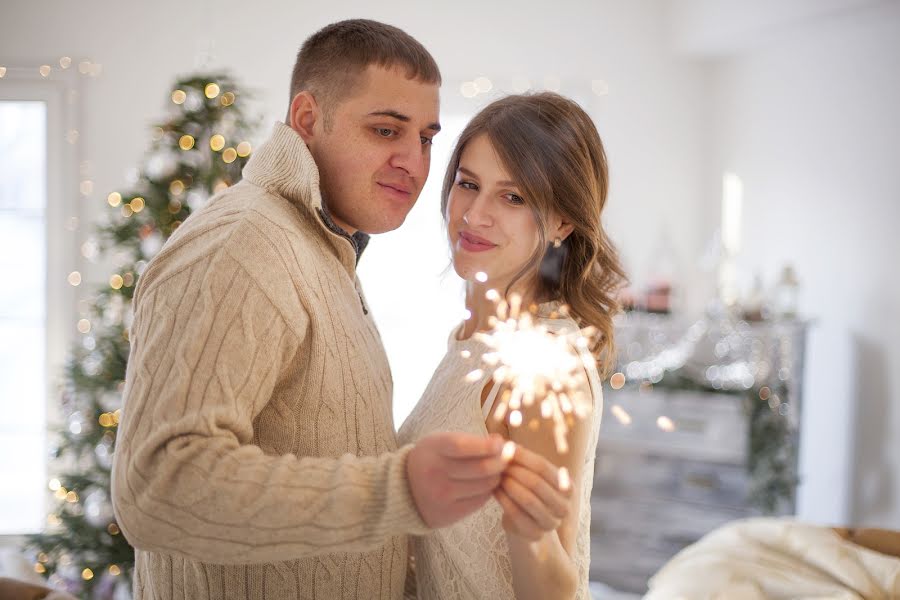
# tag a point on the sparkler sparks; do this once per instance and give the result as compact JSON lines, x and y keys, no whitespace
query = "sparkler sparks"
{"x":535,"y":365}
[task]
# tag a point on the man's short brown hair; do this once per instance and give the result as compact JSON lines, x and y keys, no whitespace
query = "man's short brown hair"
{"x":331,"y":60}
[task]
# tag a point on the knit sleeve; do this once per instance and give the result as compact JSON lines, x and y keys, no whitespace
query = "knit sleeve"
{"x":208,"y":349}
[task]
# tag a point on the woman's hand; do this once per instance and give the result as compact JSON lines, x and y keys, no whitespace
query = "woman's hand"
{"x":533,"y":500}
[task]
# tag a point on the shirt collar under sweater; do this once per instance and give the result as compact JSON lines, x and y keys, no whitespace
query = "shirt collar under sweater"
{"x":284,"y":166}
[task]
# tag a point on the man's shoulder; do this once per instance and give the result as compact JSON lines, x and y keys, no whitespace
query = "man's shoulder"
{"x":256,"y":231}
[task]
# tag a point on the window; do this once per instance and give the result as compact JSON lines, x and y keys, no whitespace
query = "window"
{"x":23,"y":314}
{"x":38,"y":249}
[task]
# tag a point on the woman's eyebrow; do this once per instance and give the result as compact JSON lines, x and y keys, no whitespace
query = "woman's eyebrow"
{"x":468,"y":173}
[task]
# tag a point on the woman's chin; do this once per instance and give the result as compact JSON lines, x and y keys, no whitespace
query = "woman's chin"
{"x":465,"y":269}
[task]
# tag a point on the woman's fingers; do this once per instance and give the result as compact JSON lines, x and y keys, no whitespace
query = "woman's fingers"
{"x":530,"y":505}
{"x":555,"y":501}
{"x":515,"y":520}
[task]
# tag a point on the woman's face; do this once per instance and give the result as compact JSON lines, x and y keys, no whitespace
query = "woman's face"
{"x":491,"y":227}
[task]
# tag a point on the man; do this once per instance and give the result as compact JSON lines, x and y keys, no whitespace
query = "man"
{"x":257,"y":456}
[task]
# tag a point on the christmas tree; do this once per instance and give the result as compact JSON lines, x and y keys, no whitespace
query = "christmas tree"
{"x":199,"y":150}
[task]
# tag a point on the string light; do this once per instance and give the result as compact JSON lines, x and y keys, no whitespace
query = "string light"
{"x":54,"y":484}
{"x":468,"y":89}
{"x":176,"y":188}
{"x":227,"y":99}
{"x":84,"y":326}
{"x":243,"y":149}
{"x":86,"y":187}
{"x":116,"y":281}
{"x":74,"y":278}
{"x":217,"y":142}
{"x":65,"y":62}
{"x":599,"y":87}
{"x":87,"y":574}
{"x":186,"y":142}
{"x":137,"y":204}
{"x":620,"y":414}
{"x":44,"y":70}
{"x":211,"y":90}
{"x":114,"y":199}
{"x":617,"y":381}
{"x":665,"y":423}
{"x":229,"y":155}
{"x":114,"y":570}
{"x":178,"y":96}
{"x":2,"y":72}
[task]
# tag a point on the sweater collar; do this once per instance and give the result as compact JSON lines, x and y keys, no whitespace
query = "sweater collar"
{"x":284,"y":166}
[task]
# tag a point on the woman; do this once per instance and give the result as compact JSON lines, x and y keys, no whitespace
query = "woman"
{"x":522,"y":200}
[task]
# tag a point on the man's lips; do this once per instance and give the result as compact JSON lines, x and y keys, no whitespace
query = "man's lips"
{"x":397,"y":187}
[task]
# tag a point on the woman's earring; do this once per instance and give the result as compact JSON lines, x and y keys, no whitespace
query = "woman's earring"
{"x":550,"y":269}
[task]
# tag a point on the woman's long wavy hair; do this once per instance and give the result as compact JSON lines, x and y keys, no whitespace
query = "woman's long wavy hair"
{"x":552,"y":150}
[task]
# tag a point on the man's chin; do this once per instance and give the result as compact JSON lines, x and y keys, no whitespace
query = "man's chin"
{"x":385,"y":226}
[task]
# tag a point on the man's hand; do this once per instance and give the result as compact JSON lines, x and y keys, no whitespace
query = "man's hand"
{"x":453,"y":474}
{"x":534,"y":496}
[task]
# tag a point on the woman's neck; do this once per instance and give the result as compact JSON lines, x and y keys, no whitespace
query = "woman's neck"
{"x":481,"y":309}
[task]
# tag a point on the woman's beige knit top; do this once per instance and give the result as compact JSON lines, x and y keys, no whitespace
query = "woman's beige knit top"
{"x":470,"y":559}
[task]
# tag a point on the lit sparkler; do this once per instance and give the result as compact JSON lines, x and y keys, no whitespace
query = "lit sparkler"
{"x":535,"y":365}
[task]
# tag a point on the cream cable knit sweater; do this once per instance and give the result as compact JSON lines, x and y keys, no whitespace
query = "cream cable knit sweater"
{"x":257,"y":456}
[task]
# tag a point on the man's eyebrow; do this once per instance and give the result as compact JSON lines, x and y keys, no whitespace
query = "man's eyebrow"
{"x":468,"y":173}
{"x":403,"y":118}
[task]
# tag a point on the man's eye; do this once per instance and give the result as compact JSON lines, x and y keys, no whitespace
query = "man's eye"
{"x":426,"y":140}
{"x":384,"y":131}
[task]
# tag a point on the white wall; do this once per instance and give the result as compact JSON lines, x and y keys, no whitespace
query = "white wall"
{"x":810,"y":121}
{"x":651,"y":120}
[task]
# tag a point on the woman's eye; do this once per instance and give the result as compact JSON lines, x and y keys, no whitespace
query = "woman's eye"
{"x":515,"y":199}
{"x":467,"y":185}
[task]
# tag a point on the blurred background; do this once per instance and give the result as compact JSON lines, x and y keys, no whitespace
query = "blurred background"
{"x":755,"y":200}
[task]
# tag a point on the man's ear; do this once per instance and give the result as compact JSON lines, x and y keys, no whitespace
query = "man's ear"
{"x":303,"y":115}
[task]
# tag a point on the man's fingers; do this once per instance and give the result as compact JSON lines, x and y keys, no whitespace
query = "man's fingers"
{"x":474,"y":468}
{"x":530,"y":504}
{"x":556,"y":502}
{"x":462,"y":490}
{"x":463,"y":445}
{"x":469,"y":505}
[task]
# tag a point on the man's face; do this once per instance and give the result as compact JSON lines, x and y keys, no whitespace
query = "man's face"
{"x":374,"y":159}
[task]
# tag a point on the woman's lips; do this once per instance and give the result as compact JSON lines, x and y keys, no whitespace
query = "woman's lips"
{"x":473,"y":243}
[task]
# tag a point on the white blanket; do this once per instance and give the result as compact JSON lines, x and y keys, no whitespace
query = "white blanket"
{"x":772,"y":559}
